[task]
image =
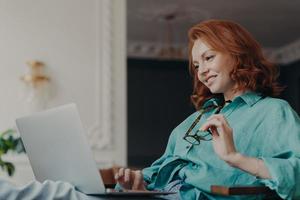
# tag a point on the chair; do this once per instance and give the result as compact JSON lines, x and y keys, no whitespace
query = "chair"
{"x":109,"y":182}
{"x":108,"y":176}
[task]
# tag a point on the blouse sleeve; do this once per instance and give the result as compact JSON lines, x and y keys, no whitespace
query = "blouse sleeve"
{"x":150,"y":173}
{"x":46,"y":190}
{"x":281,"y":152}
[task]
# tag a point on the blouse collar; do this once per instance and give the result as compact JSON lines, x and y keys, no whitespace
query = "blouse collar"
{"x":250,"y":98}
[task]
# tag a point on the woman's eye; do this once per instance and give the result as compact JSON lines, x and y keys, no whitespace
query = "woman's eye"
{"x":196,"y":66}
{"x":209,"y":58}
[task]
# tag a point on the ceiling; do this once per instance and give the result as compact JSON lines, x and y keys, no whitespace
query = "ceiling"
{"x":274,"y":23}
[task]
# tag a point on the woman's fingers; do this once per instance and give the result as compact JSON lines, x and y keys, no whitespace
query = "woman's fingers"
{"x":127,"y":175}
{"x":130,"y":179}
{"x":222,"y":135}
{"x":213,"y":122}
{"x":138,"y":180}
{"x":123,"y":178}
{"x":219,"y":117}
{"x":119,"y":174}
{"x":214,"y":131}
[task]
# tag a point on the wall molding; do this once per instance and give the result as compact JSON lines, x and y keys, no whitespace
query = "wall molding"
{"x":107,"y":136}
{"x":287,"y":54}
{"x":141,"y":49}
{"x":100,"y":134}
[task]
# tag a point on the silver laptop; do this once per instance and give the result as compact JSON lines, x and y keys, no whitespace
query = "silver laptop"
{"x":57,"y":149}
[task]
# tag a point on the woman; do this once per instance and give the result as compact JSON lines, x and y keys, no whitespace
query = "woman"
{"x":240,"y":135}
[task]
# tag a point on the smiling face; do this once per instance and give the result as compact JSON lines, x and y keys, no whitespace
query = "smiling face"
{"x":213,"y":68}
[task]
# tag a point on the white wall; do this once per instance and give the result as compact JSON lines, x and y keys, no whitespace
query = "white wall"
{"x":82,"y":44}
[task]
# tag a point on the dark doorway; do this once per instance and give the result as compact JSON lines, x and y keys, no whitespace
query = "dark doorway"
{"x":158,"y":100}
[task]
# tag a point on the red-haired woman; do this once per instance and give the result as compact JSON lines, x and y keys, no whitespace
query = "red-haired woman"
{"x":240,"y":134}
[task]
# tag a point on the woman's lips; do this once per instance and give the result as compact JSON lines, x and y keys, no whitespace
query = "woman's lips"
{"x":211,"y":79}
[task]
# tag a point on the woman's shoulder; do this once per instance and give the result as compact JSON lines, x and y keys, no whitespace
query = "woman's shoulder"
{"x":277,"y":107}
{"x":187,"y":121}
{"x":189,"y":118}
{"x":273,"y":102}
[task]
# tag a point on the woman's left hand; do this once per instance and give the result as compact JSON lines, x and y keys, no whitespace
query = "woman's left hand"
{"x":222,"y":136}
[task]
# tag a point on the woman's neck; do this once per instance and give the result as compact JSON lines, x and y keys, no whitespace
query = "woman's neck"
{"x":229,"y":96}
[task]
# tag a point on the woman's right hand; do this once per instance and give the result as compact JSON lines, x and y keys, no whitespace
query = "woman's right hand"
{"x":130,"y":179}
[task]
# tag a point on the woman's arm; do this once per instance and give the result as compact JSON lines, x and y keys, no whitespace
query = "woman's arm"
{"x":138,"y":180}
{"x":251,"y":165}
{"x":224,"y":147}
{"x":279,"y":163}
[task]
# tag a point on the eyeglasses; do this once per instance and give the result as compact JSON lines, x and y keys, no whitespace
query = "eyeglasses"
{"x":196,"y":137}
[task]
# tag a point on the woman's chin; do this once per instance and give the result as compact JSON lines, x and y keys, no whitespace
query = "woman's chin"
{"x":214,"y":90}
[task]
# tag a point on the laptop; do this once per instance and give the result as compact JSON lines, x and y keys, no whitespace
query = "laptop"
{"x":57,"y":148}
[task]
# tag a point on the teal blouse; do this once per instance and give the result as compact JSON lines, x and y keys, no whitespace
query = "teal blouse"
{"x":263,"y":127}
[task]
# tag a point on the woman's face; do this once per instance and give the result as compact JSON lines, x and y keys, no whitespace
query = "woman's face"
{"x":213,"y":68}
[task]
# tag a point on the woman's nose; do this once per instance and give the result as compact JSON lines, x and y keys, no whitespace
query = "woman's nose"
{"x":202,"y":71}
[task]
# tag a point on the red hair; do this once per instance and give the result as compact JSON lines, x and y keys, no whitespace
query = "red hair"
{"x":252,"y":71}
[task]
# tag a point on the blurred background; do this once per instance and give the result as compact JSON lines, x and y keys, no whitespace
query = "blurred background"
{"x":124,"y":63}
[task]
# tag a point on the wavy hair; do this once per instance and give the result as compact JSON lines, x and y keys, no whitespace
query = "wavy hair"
{"x":252,"y":71}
